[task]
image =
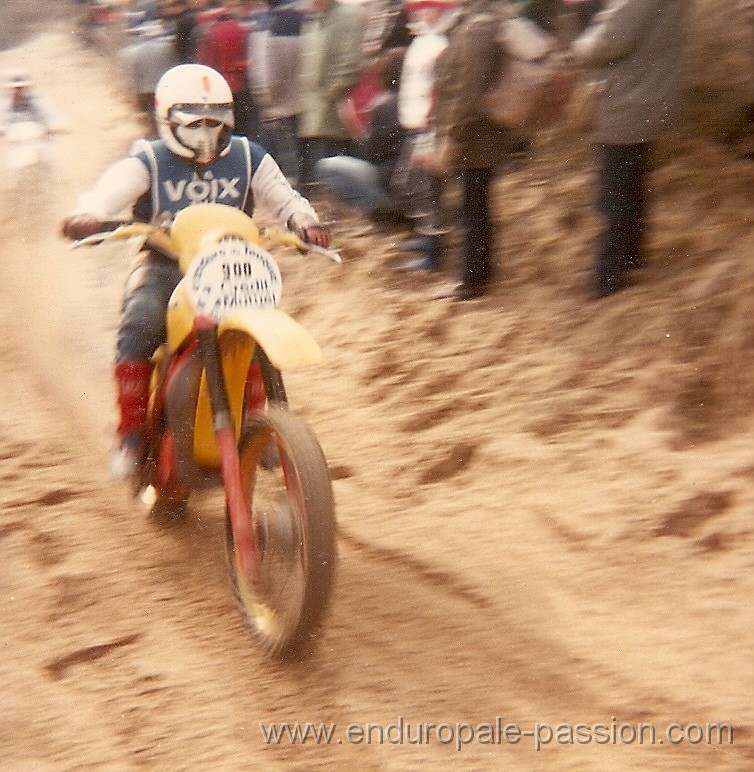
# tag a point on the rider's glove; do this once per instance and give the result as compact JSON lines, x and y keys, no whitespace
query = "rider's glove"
{"x":79,"y":226}
{"x":319,"y":235}
{"x":310,"y":231}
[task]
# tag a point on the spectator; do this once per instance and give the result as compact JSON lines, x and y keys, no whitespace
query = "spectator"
{"x":21,"y":103}
{"x":224,"y":49}
{"x":185,"y":23}
{"x":365,"y":181}
{"x":143,"y":63}
{"x":275,"y":81}
{"x":331,"y":62}
{"x":206,"y":13}
{"x":637,"y":48}
{"x":429,"y":21}
{"x":467,"y":139}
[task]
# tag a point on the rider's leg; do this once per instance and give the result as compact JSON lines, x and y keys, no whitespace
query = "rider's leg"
{"x":142,"y":330}
{"x":132,"y":382}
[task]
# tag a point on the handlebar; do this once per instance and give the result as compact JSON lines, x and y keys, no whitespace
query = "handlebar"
{"x":290,"y":239}
{"x":158,"y":239}
{"x":155,"y":238}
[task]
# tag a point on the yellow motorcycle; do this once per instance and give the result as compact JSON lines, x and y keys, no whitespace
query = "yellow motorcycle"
{"x":219,"y":416}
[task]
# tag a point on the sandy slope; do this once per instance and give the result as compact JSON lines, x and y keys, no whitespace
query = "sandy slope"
{"x":545,"y":503}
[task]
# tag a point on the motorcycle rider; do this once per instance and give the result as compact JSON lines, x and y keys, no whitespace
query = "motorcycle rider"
{"x":197,"y":159}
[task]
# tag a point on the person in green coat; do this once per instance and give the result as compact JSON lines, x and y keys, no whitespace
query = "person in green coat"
{"x":331,"y":63}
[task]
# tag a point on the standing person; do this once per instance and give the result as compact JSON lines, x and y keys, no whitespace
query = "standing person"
{"x":275,"y":78}
{"x":224,"y":48}
{"x":636,"y":46}
{"x":331,"y":63}
{"x":206,"y":13}
{"x":469,"y":141}
{"x":194,"y":106}
{"x":143,"y":63}
{"x":185,"y":26}
{"x":429,"y":21}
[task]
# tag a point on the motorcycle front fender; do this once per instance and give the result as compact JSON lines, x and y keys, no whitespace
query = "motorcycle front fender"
{"x":288,"y":345}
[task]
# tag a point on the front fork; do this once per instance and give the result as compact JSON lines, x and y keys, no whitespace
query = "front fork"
{"x":225,"y":432}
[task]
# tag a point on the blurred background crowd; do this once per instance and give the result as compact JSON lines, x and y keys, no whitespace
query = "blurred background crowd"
{"x":350,"y":99}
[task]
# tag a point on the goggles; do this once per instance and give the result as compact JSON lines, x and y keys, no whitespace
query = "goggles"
{"x":202,"y":116}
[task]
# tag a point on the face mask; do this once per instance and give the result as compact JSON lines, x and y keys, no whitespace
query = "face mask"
{"x":204,"y":134}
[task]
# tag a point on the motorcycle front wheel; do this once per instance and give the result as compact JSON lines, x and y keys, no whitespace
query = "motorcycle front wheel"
{"x":287,"y":484}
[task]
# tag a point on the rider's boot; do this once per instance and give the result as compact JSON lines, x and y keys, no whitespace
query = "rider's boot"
{"x":132,"y":379}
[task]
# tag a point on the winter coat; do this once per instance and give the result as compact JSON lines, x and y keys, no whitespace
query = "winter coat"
{"x":636,"y":50}
{"x":331,"y":62}
{"x":465,"y":71}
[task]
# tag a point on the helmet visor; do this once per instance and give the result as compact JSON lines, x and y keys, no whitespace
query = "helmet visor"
{"x":204,"y":129}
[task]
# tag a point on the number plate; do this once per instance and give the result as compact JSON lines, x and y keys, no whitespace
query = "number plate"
{"x":232,"y":276}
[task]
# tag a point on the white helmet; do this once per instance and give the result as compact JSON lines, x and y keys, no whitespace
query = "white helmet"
{"x":194,"y":112}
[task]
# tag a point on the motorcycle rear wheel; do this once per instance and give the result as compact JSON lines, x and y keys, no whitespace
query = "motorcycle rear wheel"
{"x":293,"y":520}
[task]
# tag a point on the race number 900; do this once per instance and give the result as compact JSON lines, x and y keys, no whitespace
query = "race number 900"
{"x":234,"y":275}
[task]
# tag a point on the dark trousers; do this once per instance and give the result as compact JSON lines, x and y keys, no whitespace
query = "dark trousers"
{"x":145,"y":302}
{"x":475,"y":216}
{"x":623,"y":204}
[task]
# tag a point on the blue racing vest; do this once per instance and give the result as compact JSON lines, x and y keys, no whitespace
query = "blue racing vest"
{"x":178,"y":183}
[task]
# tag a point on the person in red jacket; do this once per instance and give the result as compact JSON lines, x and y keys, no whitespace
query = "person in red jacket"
{"x":224,"y":48}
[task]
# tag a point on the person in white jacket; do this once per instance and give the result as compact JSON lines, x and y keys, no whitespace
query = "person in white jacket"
{"x":429,"y":21}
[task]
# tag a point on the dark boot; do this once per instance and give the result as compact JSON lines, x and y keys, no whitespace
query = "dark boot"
{"x":132,"y":379}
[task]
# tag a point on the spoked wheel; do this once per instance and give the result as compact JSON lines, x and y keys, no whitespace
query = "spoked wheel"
{"x":287,"y":482}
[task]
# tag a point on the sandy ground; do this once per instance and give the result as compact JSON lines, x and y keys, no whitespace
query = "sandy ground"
{"x":545,"y":503}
